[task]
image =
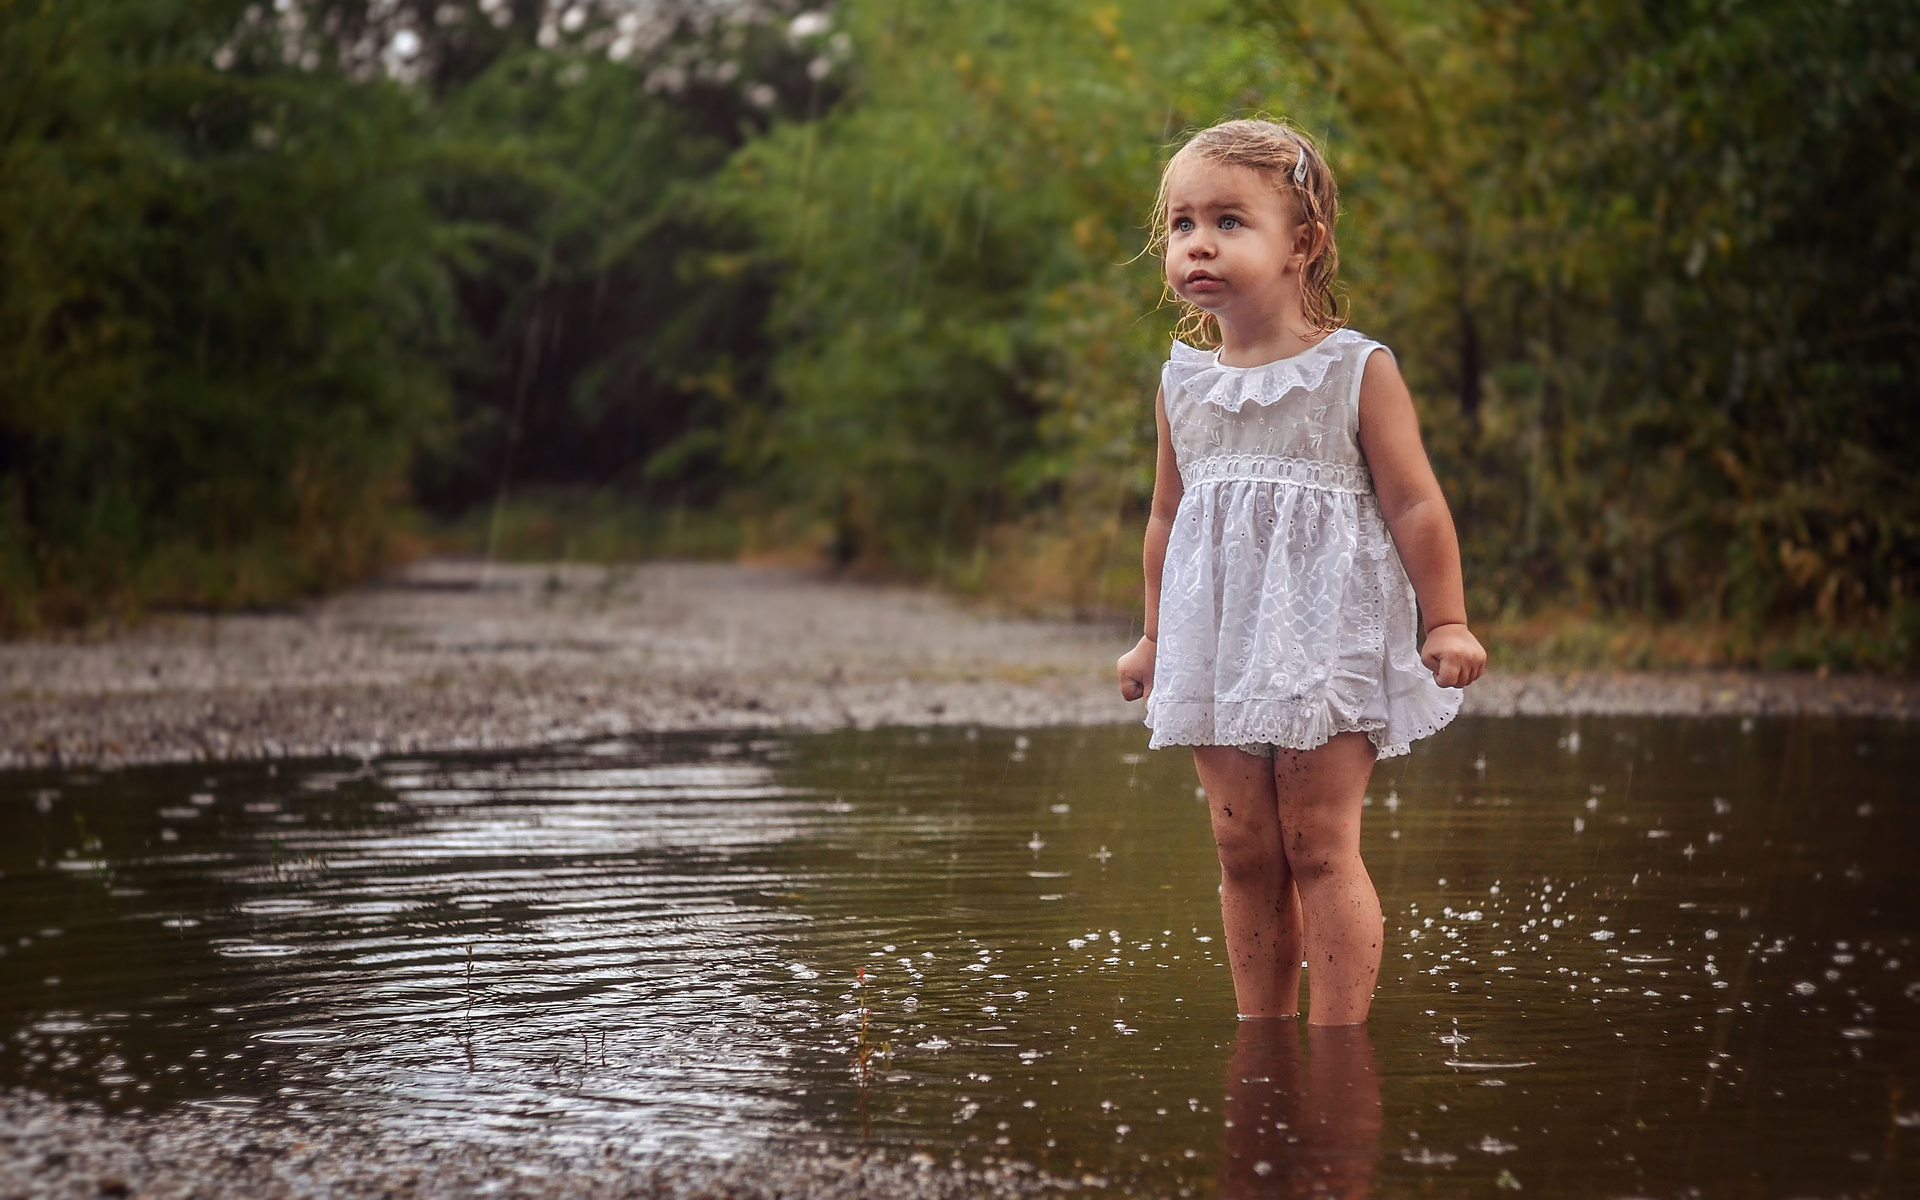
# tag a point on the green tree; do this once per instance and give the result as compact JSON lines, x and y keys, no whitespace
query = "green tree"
{"x":610,"y":326}
{"x":967,"y":348}
{"x":1654,"y":271}
{"x":219,"y":288}
{"x":270,"y":269}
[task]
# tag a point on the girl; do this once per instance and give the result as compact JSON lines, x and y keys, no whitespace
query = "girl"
{"x":1292,"y":505}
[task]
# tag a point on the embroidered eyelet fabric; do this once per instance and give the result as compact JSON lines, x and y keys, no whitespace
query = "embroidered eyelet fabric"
{"x":1285,"y":614}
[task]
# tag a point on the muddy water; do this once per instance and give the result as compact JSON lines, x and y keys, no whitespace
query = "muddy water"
{"x":1624,"y":957}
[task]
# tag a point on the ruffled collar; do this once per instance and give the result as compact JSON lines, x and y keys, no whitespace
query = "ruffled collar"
{"x":1200,"y":372}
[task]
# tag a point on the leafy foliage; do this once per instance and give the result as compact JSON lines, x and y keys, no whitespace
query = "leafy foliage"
{"x":966,"y":347}
{"x":201,"y":396}
{"x":1661,"y":261}
{"x":253,"y":252}
{"x":610,"y":327}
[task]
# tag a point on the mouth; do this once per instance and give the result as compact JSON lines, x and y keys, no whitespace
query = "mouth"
{"x":1203,"y":280}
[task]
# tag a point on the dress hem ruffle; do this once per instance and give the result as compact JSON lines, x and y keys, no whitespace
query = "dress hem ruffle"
{"x":1294,"y":724}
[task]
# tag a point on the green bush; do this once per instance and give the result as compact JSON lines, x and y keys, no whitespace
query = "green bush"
{"x":220,"y":291}
{"x":273,"y":273}
{"x":966,"y":346}
{"x":1654,"y":272}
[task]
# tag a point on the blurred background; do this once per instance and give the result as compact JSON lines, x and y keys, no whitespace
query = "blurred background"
{"x":295,"y":290}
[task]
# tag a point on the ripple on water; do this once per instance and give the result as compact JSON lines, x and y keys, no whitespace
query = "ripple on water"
{"x":275,"y":907}
{"x":224,"y":1104}
{"x":226,"y":949}
{"x":299,"y":1037}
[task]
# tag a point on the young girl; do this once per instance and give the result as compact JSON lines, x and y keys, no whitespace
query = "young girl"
{"x":1292,"y":505}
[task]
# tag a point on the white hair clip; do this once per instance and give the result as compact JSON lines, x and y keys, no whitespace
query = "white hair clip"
{"x":1300,"y":164}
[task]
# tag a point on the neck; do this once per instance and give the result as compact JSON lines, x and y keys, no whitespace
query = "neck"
{"x":1255,"y":338}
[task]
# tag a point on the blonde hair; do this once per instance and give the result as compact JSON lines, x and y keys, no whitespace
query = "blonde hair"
{"x":1294,"y":164}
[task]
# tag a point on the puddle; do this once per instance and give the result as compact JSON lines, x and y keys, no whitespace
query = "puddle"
{"x":1624,"y":957}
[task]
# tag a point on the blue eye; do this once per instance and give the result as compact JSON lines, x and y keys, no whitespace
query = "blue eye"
{"x":1182,"y":224}
{"x":1229,"y":222}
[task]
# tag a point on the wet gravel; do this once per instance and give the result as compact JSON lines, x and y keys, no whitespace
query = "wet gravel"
{"x":450,"y":655}
{"x":53,"y":1151}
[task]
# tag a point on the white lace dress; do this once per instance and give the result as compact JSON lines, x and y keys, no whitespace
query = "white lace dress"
{"x":1285,"y":615}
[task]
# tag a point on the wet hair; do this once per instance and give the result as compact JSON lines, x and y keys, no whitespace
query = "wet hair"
{"x":1294,"y":164}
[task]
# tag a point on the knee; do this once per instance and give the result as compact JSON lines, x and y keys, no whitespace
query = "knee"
{"x":1315,"y":853}
{"x":1245,"y":855}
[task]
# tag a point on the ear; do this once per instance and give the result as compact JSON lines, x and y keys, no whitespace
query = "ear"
{"x":1309,"y":242}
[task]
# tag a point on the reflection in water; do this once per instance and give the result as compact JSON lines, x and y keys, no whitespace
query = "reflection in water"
{"x":1294,"y":1131}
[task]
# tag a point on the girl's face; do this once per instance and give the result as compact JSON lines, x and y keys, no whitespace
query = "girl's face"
{"x":1233,"y":247}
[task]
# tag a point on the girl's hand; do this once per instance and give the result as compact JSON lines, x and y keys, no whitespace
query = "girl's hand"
{"x":1453,"y":654}
{"x":1135,"y":669}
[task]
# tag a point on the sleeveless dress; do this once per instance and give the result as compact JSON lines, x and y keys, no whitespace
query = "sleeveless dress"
{"x":1285,"y":614}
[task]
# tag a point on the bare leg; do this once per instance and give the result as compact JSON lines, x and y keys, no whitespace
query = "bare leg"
{"x":1318,"y":793}
{"x":1258,"y":904}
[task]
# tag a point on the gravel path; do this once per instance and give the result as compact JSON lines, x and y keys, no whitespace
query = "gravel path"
{"x":456,"y":655}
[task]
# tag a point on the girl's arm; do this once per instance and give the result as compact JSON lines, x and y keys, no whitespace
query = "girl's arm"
{"x":1136,"y":665}
{"x":1422,"y":528}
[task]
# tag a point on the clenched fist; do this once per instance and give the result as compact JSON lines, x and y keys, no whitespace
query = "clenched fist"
{"x":1135,"y":669}
{"x":1453,"y":654}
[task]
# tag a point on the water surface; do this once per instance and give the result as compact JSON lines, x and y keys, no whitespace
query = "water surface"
{"x":1625,"y":957}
